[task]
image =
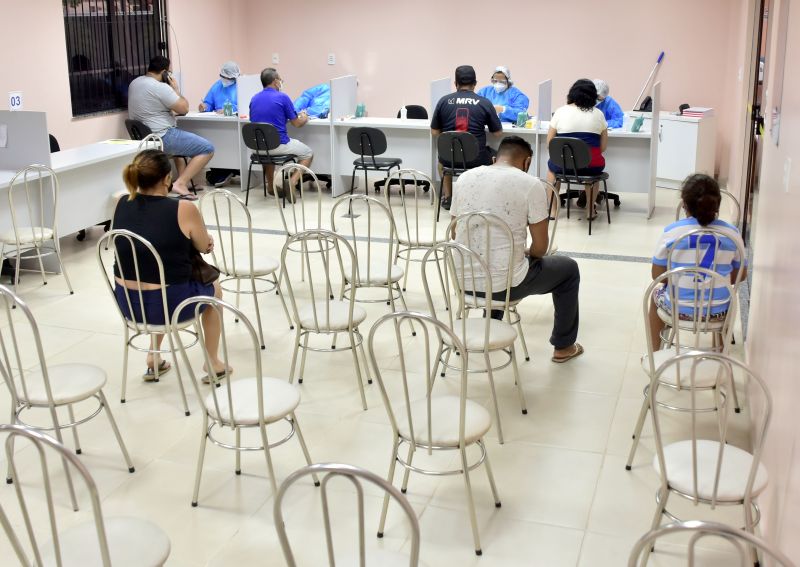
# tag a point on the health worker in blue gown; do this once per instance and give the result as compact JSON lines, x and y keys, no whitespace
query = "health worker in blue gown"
{"x":507,"y":99}
{"x":608,"y":106}
{"x":223,"y":90}
{"x":316,"y":101}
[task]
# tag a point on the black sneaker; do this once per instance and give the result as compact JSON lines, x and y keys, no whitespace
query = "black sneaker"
{"x":224,"y":181}
{"x":446,"y":203}
{"x":581,"y":202}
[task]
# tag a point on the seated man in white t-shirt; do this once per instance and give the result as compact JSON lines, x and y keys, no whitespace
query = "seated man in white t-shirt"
{"x":506,"y":190}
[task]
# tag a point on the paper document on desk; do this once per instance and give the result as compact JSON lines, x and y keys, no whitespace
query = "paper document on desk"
{"x":3,"y":135}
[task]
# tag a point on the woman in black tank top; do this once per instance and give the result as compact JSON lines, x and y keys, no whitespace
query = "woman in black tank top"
{"x":175,"y":229}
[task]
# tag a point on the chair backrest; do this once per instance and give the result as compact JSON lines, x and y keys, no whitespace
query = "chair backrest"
{"x":448,"y":270}
{"x":416,"y":379}
{"x":415,"y":219}
{"x":136,"y":252}
{"x":730,"y":210}
{"x":137,"y":129}
{"x":43,"y":445}
{"x":304,"y":213}
{"x":151,"y":142}
{"x":227,"y":217}
{"x":354,"y":475}
{"x":739,"y":541}
{"x":320,"y":253}
{"x":554,"y":203}
{"x":415,"y":111}
{"x":14,"y":361}
{"x":490,"y":237}
{"x":700,"y":285}
{"x":261,"y":137}
{"x":458,"y":148}
{"x":244,"y":346}
{"x":570,"y":154}
{"x":366,"y":142}
{"x":33,"y":203}
{"x":704,"y":363}
{"x":54,"y":145}
{"x":366,"y":231}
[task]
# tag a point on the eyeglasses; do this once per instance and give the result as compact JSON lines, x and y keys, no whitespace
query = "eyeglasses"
{"x":499,"y":82}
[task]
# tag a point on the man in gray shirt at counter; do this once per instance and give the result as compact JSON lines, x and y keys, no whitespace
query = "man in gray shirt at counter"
{"x":154,"y":99}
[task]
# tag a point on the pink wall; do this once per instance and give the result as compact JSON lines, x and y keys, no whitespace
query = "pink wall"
{"x":775,"y":311}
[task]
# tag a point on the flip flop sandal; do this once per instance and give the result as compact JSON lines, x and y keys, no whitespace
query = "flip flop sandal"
{"x":561,"y":359}
{"x":187,"y":197}
{"x":215,"y":378}
{"x":150,"y":374}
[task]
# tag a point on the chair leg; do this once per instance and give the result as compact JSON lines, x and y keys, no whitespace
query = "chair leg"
{"x":201,"y":455}
{"x":115,"y":429}
{"x":16,"y":271}
{"x":405,"y":306}
{"x":124,"y":365}
{"x":177,"y":373}
{"x":258,"y":313}
{"x":61,"y":264}
{"x":490,"y":476}
{"x":439,"y":203}
{"x":608,"y":209}
{"x":366,"y":182}
{"x":353,"y":181}
{"x":407,"y":472}
{"x":518,"y":381}
{"x":363,"y":356}
{"x":294,"y":356}
{"x":358,"y":369}
{"x":74,"y":429}
{"x":470,"y":503}
{"x":490,"y":374}
{"x":521,"y":334}
{"x":661,"y":504}
{"x":303,"y":359}
{"x":637,"y":432}
{"x":67,"y":473}
{"x":390,"y":480}
{"x":238,"y":469}
{"x":303,"y":447}
{"x":41,"y":263}
{"x":283,"y":301}
{"x":268,"y":457}
{"x":247,"y":190}
{"x":569,"y":199}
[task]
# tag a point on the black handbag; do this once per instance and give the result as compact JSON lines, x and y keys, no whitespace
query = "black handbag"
{"x":202,"y":271}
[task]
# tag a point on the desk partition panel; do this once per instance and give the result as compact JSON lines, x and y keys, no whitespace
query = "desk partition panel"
{"x":23,"y":139}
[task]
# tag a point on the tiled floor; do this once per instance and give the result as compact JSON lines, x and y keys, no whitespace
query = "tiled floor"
{"x":567,"y":499}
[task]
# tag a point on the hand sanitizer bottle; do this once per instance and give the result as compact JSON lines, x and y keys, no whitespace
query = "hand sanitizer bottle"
{"x":403,"y":113}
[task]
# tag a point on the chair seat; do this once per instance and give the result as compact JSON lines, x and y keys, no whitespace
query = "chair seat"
{"x":131,"y":543}
{"x":377,"y":272}
{"x":379,"y":162}
{"x":280,"y":399}
{"x":262,"y":265}
{"x":422,"y":242}
{"x":582,"y":179}
{"x":715,"y":325}
{"x":331,"y":317}
{"x":705,"y":375}
{"x":27,"y":235}
{"x":735,"y":469}
{"x":501,"y":334}
{"x":272,"y":159}
{"x":69,"y":383}
{"x":445,"y":412}
{"x":158,"y":329}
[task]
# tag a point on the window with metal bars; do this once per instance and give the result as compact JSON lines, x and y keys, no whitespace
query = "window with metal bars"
{"x":110,"y":43}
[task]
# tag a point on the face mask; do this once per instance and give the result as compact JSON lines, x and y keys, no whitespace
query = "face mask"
{"x":500,"y":87}
{"x":227,"y":82}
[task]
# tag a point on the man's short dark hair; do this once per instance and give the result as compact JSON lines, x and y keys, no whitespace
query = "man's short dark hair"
{"x":268,"y":76}
{"x":516,"y":146}
{"x":158,"y":64}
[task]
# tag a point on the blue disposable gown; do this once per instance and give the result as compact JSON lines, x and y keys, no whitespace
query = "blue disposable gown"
{"x":612,"y":112}
{"x":316,"y":101}
{"x":218,"y":95}
{"x":512,"y":98}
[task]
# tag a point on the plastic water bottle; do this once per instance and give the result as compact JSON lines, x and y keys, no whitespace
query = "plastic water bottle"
{"x":227,"y":108}
{"x":404,"y":113}
{"x":360,"y":110}
{"x":522,"y":118}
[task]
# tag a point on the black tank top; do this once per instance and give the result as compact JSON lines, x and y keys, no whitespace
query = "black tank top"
{"x":155,"y":219}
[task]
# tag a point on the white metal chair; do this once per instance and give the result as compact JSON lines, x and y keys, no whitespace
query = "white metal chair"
{"x":466,"y":288}
{"x":48,"y":387}
{"x":422,"y":418}
{"x":134,"y":320}
{"x":711,"y":471}
{"x":739,"y":541}
{"x":33,"y":206}
{"x":415,"y":220}
{"x":703,"y":283}
{"x":244,"y":403}
{"x":354,"y":475}
{"x":305,"y":208}
{"x":224,"y":210}
{"x":314,"y":309}
{"x":119,"y":541}
{"x":734,"y":209}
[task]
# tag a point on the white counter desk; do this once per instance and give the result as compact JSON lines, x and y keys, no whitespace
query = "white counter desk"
{"x":222,"y":131}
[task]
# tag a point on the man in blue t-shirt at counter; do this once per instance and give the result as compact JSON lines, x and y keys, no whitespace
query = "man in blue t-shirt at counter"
{"x":275,"y":107}
{"x":465,"y":111}
{"x":222,"y":91}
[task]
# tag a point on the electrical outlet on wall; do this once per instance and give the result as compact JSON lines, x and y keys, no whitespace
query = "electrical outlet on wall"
{"x":276,"y":58}
{"x":331,"y":59}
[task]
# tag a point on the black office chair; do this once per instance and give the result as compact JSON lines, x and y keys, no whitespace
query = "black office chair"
{"x":572,"y":155}
{"x":369,"y":143}
{"x":415,"y":111}
{"x":138,"y":130}
{"x":262,"y":138}
{"x":458,"y":152}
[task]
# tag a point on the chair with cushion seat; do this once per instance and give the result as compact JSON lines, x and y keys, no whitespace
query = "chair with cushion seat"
{"x":263,"y":138}
{"x":318,"y":304}
{"x":707,"y":467}
{"x":460,"y":151}
{"x":704,"y":542}
{"x":369,"y":143}
{"x":34,"y":232}
{"x":572,"y":155}
{"x":121,"y":541}
{"x":452,"y":275}
{"x":425,"y":416}
{"x":415,"y":112}
{"x":137,"y":329}
{"x":46,"y":387}
{"x":140,"y":131}
{"x":251,"y":402}
{"x":238,"y":261}
{"x":700,"y":282}
{"x":355,"y":476}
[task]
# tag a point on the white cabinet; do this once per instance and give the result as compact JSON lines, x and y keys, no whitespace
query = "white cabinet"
{"x":686,"y":145}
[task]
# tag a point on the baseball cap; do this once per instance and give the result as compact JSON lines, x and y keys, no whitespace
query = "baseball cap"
{"x":230,"y":70}
{"x":465,"y":75}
